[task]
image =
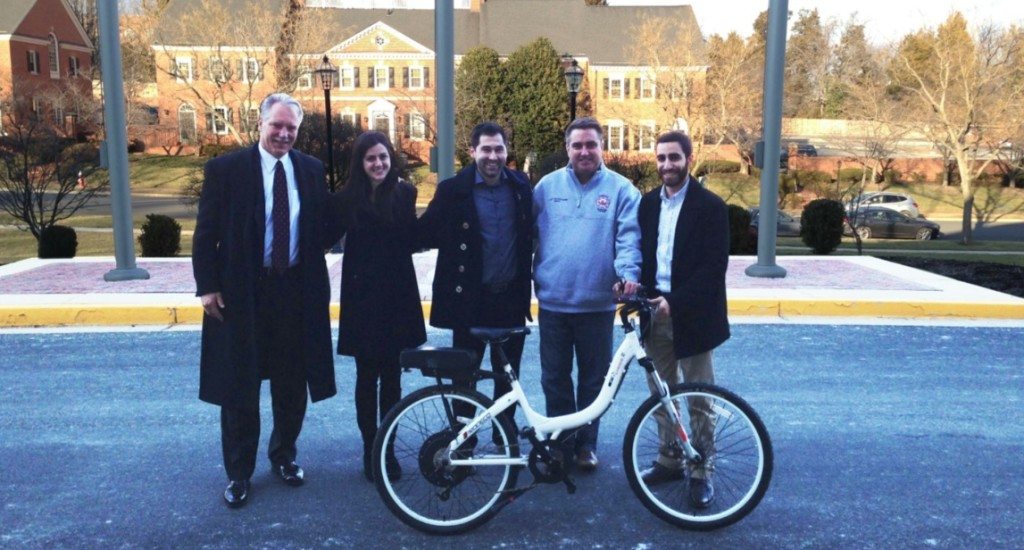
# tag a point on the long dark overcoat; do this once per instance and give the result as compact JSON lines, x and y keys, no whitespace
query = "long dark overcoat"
{"x":452,"y":226}
{"x":381,"y":312}
{"x":700,"y":258}
{"x":227,"y":257}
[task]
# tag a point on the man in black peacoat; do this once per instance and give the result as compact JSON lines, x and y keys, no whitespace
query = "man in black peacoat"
{"x":481,"y":222}
{"x":684,"y":244}
{"x":261,"y":322}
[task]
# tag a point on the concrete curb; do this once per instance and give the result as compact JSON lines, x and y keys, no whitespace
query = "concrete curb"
{"x":168,"y":315}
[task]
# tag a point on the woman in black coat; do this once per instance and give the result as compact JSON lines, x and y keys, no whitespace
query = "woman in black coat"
{"x":380,"y":303}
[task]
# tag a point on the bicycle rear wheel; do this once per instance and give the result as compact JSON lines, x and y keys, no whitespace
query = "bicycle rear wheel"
{"x":421,"y":489}
{"x":736,"y":449}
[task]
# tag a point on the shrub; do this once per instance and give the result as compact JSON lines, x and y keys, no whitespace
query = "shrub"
{"x":892,"y":176}
{"x":136,"y":145}
{"x":217,"y":149}
{"x":161,"y":236}
{"x":58,"y":241}
{"x":821,"y":225}
{"x":717,"y":167}
{"x":850,"y":175}
{"x":741,"y":239}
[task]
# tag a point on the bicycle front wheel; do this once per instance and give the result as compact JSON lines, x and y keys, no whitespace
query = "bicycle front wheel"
{"x":410,"y":461}
{"x":736,"y":457}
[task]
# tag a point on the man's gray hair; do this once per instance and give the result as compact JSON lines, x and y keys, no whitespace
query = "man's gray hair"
{"x":274,"y":99}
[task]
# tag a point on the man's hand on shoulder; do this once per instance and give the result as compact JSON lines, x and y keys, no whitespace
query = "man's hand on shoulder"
{"x":212,"y":304}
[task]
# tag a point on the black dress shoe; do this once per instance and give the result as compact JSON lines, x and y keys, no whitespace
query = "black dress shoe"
{"x":237,"y":494}
{"x":290,"y":473}
{"x":659,"y":473}
{"x":586,"y":460}
{"x":702,"y":492}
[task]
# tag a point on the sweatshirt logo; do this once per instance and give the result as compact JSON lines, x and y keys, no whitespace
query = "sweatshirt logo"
{"x":602,"y":203}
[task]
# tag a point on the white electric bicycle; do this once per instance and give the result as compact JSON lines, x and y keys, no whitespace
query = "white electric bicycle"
{"x":446,"y":461}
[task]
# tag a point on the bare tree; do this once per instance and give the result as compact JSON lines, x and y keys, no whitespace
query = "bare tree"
{"x":734,"y":87}
{"x":961,"y":86}
{"x":672,"y":59}
{"x":44,"y":176}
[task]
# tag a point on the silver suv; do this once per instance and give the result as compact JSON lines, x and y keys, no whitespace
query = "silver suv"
{"x":900,"y":202}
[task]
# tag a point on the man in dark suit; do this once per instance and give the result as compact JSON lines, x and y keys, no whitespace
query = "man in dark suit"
{"x":684,"y":242}
{"x":481,"y":222}
{"x":258,"y":261}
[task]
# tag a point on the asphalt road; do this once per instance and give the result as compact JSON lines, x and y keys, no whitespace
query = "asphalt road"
{"x":884,"y":436}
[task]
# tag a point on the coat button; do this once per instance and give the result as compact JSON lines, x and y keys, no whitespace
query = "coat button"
{"x":465,"y":225}
{"x":462,"y":246}
{"x":458,"y":290}
{"x":462,"y":269}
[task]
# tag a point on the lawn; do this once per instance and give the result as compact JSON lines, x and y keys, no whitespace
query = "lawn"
{"x":18,"y":245}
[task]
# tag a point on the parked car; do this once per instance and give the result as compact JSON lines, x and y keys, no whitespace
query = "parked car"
{"x":900,"y":202}
{"x":786,"y":225}
{"x":802,"y":150}
{"x":882,"y":223}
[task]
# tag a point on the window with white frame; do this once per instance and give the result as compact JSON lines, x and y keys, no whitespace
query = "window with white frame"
{"x":57,"y":109}
{"x":305,"y":80}
{"x":645,"y":88}
{"x":614,"y":136}
{"x":681,"y":125}
{"x":417,"y":126}
{"x":186,"y":123}
{"x":216,"y":70}
{"x":251,"y":69}
{"x":380,"y":78}
{"x":350,"y":118}
{"x":616,"y":87}
{"x":415,"y":78}
{"x":646,"y":134}
{"x":251,"y":120}
{"x":217,"y":120}
{"x":53,"y":56}
{"x":33,"y":61}
{"x":347,"y":78}
{"x":182,"y":69}
{"x":74,"y":69}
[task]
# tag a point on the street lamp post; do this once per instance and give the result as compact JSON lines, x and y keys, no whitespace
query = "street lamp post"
{"x":573,"y":78}
{"x":327,"y":74}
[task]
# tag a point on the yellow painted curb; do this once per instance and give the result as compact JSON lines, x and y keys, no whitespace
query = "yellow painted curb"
{"x":103,"y":315}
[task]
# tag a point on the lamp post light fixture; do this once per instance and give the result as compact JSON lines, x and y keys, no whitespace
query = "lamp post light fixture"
{"x":573,"y":78}
{"x":328,"y":73}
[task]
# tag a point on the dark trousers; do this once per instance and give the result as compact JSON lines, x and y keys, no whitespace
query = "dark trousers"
{"x":373,"y":402}
{"x":497,"y":310}
{"x":278,"y":333}
{"x":589,"y":335}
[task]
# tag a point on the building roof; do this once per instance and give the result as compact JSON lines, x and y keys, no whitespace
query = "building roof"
{"x":13,"y":13}
{"x":600,"y":33}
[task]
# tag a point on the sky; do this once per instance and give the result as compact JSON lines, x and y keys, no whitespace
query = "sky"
{"x":884,"y":20}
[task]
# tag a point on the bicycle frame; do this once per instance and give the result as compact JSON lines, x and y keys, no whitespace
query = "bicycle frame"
{"x":551,"y":427}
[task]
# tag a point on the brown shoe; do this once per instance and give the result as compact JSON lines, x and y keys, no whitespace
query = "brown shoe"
{"x":587,"y":460}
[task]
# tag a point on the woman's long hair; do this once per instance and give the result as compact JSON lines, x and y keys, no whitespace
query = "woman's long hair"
{"x":360,"y":198}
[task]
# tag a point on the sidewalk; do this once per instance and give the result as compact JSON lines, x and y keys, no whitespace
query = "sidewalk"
{"x":72,"y":292}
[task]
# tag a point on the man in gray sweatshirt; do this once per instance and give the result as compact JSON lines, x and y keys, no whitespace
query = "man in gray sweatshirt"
{"x":589,"y":239}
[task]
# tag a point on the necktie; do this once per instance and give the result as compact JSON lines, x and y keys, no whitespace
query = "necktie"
{"x":281,"y":243}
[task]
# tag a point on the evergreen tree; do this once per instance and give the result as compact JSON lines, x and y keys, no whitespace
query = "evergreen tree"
{"x":537,"y":104}
{"x":480,"y":93}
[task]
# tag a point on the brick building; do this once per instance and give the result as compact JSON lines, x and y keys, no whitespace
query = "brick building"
{"x":45,"y":63}
{"x":386,"y":65}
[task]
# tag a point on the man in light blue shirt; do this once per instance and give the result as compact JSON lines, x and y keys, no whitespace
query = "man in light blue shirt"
{"x":588,"y":239}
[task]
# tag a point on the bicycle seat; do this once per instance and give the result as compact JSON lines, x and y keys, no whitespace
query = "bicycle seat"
{"x":453,"y":363}
{"x":497,"y":335}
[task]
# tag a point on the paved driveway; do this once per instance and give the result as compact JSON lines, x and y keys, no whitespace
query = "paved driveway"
{"x":885,"y":436}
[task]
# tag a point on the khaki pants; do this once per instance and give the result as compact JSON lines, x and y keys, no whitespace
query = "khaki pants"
{"x":696,"y":368}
